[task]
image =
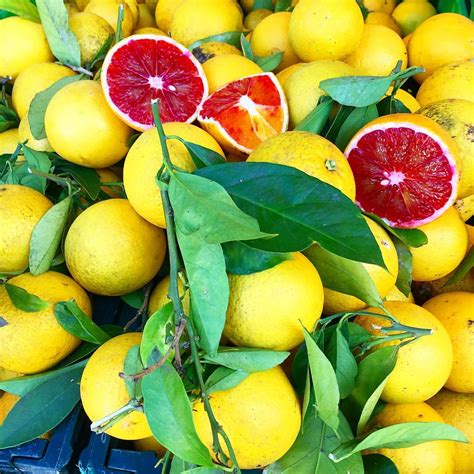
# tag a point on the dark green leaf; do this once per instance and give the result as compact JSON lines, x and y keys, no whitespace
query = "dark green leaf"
{"x":363,"y":9}
{"x":402,"y":435}
{"x":40,"y":102}
{"x":22,"y":8}
{"x":246,"y":47}
{"x":87,"y":178}
{"x":131,"y":366}
{"x":178,"y":465}
{"x":391,"y":105}
{"x":39,"y":161}
{"x":453,"y":6}
{"x":332,"y":128}
{"x":201,"y":155}
{"x":41,"y":409}
{"x":298,"y":207}
{"x":26,"y":383}
{"x":8,"y":118}
{"x":247,"y":359}
{"x":201,"y":205}
{"x":343,"y":275}
{"x":324,"y":383}
{"x":73,"y":320}
{"x":100,"y":56}
{"x":359,"y":117}
{"x":229,"y":37}
{"x":405,"y":261}
{"x":205,"y":270}
{"x":156,"y":331}
{"x":269,"y":63}
{"x":85,"y":349}
{"x":241,"y":259}
{"x":372,"y":375}
{"x":357,"y":335}
{"x":169,"y":414}
{"x":134,"y":299}
{"x":283,"y":6}
{"x":465,"y":266}
{"x":316,"y":120}
{"x":46,"y":236}
{"x":25,"y":301}
{"x":204,"y":470}
{"x":224,"y":378}
{"x":378,"y":464}
{"x":62,"y":41}
{"x":343,"y":362}
{"x":265,"y":4}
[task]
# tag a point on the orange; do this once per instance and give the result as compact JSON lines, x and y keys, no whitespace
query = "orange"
{"x":410,"y":15}
{"x":384,"y":19}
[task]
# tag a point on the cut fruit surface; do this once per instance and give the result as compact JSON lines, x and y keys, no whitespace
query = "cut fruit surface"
{"x":405,"y":168}
{"x":142,"y":68}
{"x":245,"y":112}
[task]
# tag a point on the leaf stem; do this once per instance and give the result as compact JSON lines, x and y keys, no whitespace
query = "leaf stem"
{"x":79,"y":69}
{"x":162,"y":136}
{"x":108,"y":421}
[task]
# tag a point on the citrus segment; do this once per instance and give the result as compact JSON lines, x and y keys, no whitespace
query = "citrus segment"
{"x":245,"y":112}
{"x":406,"y":169}
{"x":143,"y":68}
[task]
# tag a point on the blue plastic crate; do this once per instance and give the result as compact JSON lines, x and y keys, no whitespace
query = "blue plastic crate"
{"x":42,"y":456}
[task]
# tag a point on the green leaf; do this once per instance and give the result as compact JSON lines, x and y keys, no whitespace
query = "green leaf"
{"x":85,"y":349}
{"x":331,"y":130}
{"x":246,"y":47}
{"x":169,"y":414}
{"x":316,"y":120}
{"x":134,"y":299}
{"x":39,"y":161}
{"x":200,"y":155}
{"x":241,"y":259}
{"x":155,"y":333}
{"x":8,"y":118}
{"x":131,"y":366}
{"x":401,"y":435}
{"x":283,"y":6}
{"x":87,"y":178}
{"x":357,"y":335}
{"x":224,"y":378}
{"x":73,"y":320}
{"x":201,"y":205}
{"x":46,"y":236}
{"x":391,"y":105}
{"x":359,"y":117}
{"x":269,"y":63}
{"x":25,"y":301}
{"x":452,"y":6}
{"x":325,"y":385}
{"x":372,"y":375}
{"x":343,"y":362}
{"x":61,"y":39}
{"x":22,"y":8}
{"x":378,"y":464}
{"x":247,"y":359}
{"x":229,"y":37}
{"x":41,"y":409}
{"x":26,"y":383}
{"x":205,"y":270}
{"x":204,"y":470}
{"x":463,"y":268}
{"x":343,"y":275}
{"x":178,"y":465}
{"x":40,"y":102}
{"x":298,"y":207}
{"x":265,"y":4}
{"x":405,"y":265}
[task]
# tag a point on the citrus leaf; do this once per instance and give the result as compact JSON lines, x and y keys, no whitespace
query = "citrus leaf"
{"x":343,"y":275}
{"x":46,"y":236}
{"x":41,"y":409}
{"x":316,"y":120}
{"x":25,"y":301}
{"x":378,"y":464}
{"x":26,"y":383}
{"x":401,"y":435}
{"x":22,"y":8}
{"x":246,"y":47}
{"x":201,"y":155}
{"x":359,"y":117}
{"x":391,"y":105}
{"x":405,"y":265}
{"x":73,"y":320}
{"x":298,"y":207}
{"x":133,"y":365}
{"x":205,"y":270}
{"x":155,"y":332}
{"x":325,"y":385}
{"x":283,"y":6}
{"x":372,"y":375}
{"x":265,"y":4}
{"x":464,"y":267}
{"x":269,"y":63}
{"x":134,"y":299}
{"x":247,"y":359}
{"x":8,"y":118}
{"x":40,"y":102}
{"x":203,"y":206}
{"x":229,"y":37}
{"x":35,"y":160}
{"x":87,"y":178}
{"x":169,"y":414}
{"x":178,"y":465}
{"x":61,"y":39}
{"x":224,"y":378}
{"x":452,"y":6}
{"x":332,"y":128}
{"x":204,"y":470}
{"x":241,"y":259}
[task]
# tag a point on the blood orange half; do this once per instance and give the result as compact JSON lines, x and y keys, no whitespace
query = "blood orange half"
{"x":142,"y":68}
{"x":405,"y":168}
{"x":245,"y":112}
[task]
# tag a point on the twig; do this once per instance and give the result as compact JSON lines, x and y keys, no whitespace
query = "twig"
{"x":143,"y":308}
{"x":80,"y":70}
